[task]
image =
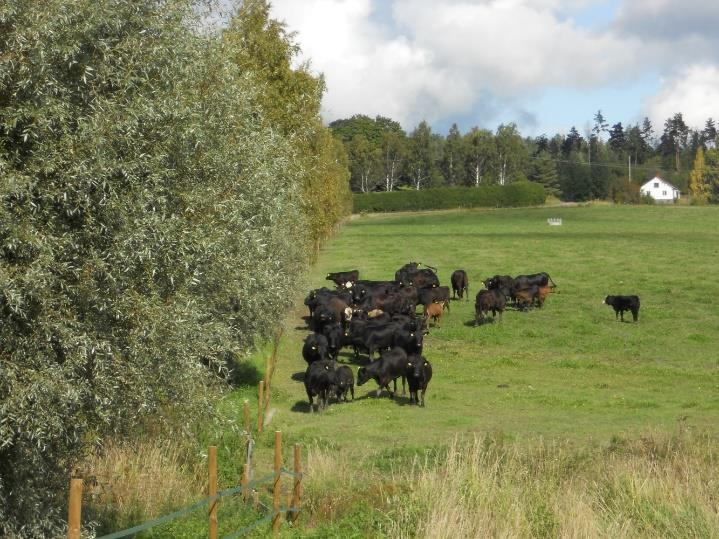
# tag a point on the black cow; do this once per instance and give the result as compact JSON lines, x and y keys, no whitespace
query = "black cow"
{"x":526,"y":297}
{"x":460,"y":284}
{"x":411,"y":341}
{"x":418,"y":374}
{"x":503,"y":283}
{"x":489,"y":300}
{"x":365,"y":289}
{"x":390,"y":366}
{"x":534,"y":279}
{"x":411,"y":275}
{"x":333,"y":310}
{"x":373,"y":338}
{"x":439,"y":294}
{"x":624,"y":303}
{"x":321,"y":296}
{"x":404,"y":273}
{"x":337,"y":337}
{"x":344,"y":383}
{"x":341,"y":278}
{"x":393,"y":303}
{"x":424,"y":278}
{"x":315,"y":348}
{"x":319,"y":379}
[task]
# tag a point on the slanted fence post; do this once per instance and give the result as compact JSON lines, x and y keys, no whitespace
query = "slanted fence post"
{"x":212,"y":490}
{"x":277,"y":486}
{"x":260,"y":402}
{"x":74,"y":510}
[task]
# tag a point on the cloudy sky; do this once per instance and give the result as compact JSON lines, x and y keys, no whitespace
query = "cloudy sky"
{"x":545,"y":64}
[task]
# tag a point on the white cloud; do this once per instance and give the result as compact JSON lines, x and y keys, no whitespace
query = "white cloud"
{"x":694,"y":92}
{"x":449,"y":59}
{"x":441,"y":58}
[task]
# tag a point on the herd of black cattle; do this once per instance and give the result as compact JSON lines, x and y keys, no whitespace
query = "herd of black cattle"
{"x":380,"y":317}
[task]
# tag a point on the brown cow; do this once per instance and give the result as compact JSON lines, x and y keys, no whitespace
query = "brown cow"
{"x":435,"y":311}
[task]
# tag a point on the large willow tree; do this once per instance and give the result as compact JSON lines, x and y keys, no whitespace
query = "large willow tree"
{"x":153,"y":223}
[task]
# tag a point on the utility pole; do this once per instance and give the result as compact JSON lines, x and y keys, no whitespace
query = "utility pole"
{"x":629,"y":157}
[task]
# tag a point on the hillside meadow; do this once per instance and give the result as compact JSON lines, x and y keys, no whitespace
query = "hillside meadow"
{"x":555,"y":422}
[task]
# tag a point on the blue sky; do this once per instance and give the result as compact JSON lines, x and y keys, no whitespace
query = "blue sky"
{"x":546,"y":65}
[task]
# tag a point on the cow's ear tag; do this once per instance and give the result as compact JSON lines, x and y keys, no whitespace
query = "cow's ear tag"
{"x":409,"y":364}
{"x":327,"y":367}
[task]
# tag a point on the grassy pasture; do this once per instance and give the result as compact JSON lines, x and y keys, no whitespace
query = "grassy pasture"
{"x":567,"y":371}
{"x":558,"y":422}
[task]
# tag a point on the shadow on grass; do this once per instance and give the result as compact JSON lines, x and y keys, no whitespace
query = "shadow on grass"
{"x":244,"y":373}
{"x":486,"y":321}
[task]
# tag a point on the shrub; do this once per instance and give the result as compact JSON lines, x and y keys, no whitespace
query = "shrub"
{"x":512,"y":195}
{"x":152,"y":226}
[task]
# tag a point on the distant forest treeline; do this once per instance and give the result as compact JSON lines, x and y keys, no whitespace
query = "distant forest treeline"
{"x":601,"y":162}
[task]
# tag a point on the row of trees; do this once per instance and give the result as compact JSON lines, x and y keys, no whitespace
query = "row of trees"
{"x":597,"y":163}
{"x":162,"y":186}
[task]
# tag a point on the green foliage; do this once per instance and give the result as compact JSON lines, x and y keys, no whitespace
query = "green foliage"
{"x":512,"y":195}
{"x":622,"y":191}
{"x":156,"y":205}
{"x":544,"y":171}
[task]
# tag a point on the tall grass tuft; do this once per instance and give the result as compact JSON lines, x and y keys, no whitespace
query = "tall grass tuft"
{"x":657,"y":486}
{"x":131,"y":483}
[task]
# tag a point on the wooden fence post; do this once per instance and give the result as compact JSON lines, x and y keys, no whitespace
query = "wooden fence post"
{"x":276,"y":487}
{"x":74,"y":509}
{"x":246,"y":414}
{"x":260,"y":402}
{"x":212,"y":490}
{"x":245,"y":479}
{"x":297,"y":488}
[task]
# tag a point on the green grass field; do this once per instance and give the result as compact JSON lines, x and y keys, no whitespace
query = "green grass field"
{"x":568,"y":370}
{"x":554,"y":422}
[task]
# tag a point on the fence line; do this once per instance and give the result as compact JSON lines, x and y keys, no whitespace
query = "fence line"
{"x":246,"y":487}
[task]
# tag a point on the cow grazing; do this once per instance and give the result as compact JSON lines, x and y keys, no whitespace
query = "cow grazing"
{"x":460,"y":284}
{"x":418,"y":374}
{"x":624,"y":303}
{"x":344,"y":382}
{"x":434,"y":311}
{"x":319,"y":379}
{"x":315,"y":348}
{"x":390,"y":366}
{"x":343,"y":278}
{"x":489,"y":300}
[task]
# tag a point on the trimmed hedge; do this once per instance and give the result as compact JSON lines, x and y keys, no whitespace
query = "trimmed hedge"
{"x":492,"y":196}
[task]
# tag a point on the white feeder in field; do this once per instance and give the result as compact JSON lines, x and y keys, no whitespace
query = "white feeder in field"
{"x":554,"y":221}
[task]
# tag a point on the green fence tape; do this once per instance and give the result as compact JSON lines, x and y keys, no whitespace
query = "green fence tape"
{"x":291,"y":473}
{"x":185,"y":510}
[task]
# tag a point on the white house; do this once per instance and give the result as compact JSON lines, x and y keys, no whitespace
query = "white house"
{"x":660,"y":190}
